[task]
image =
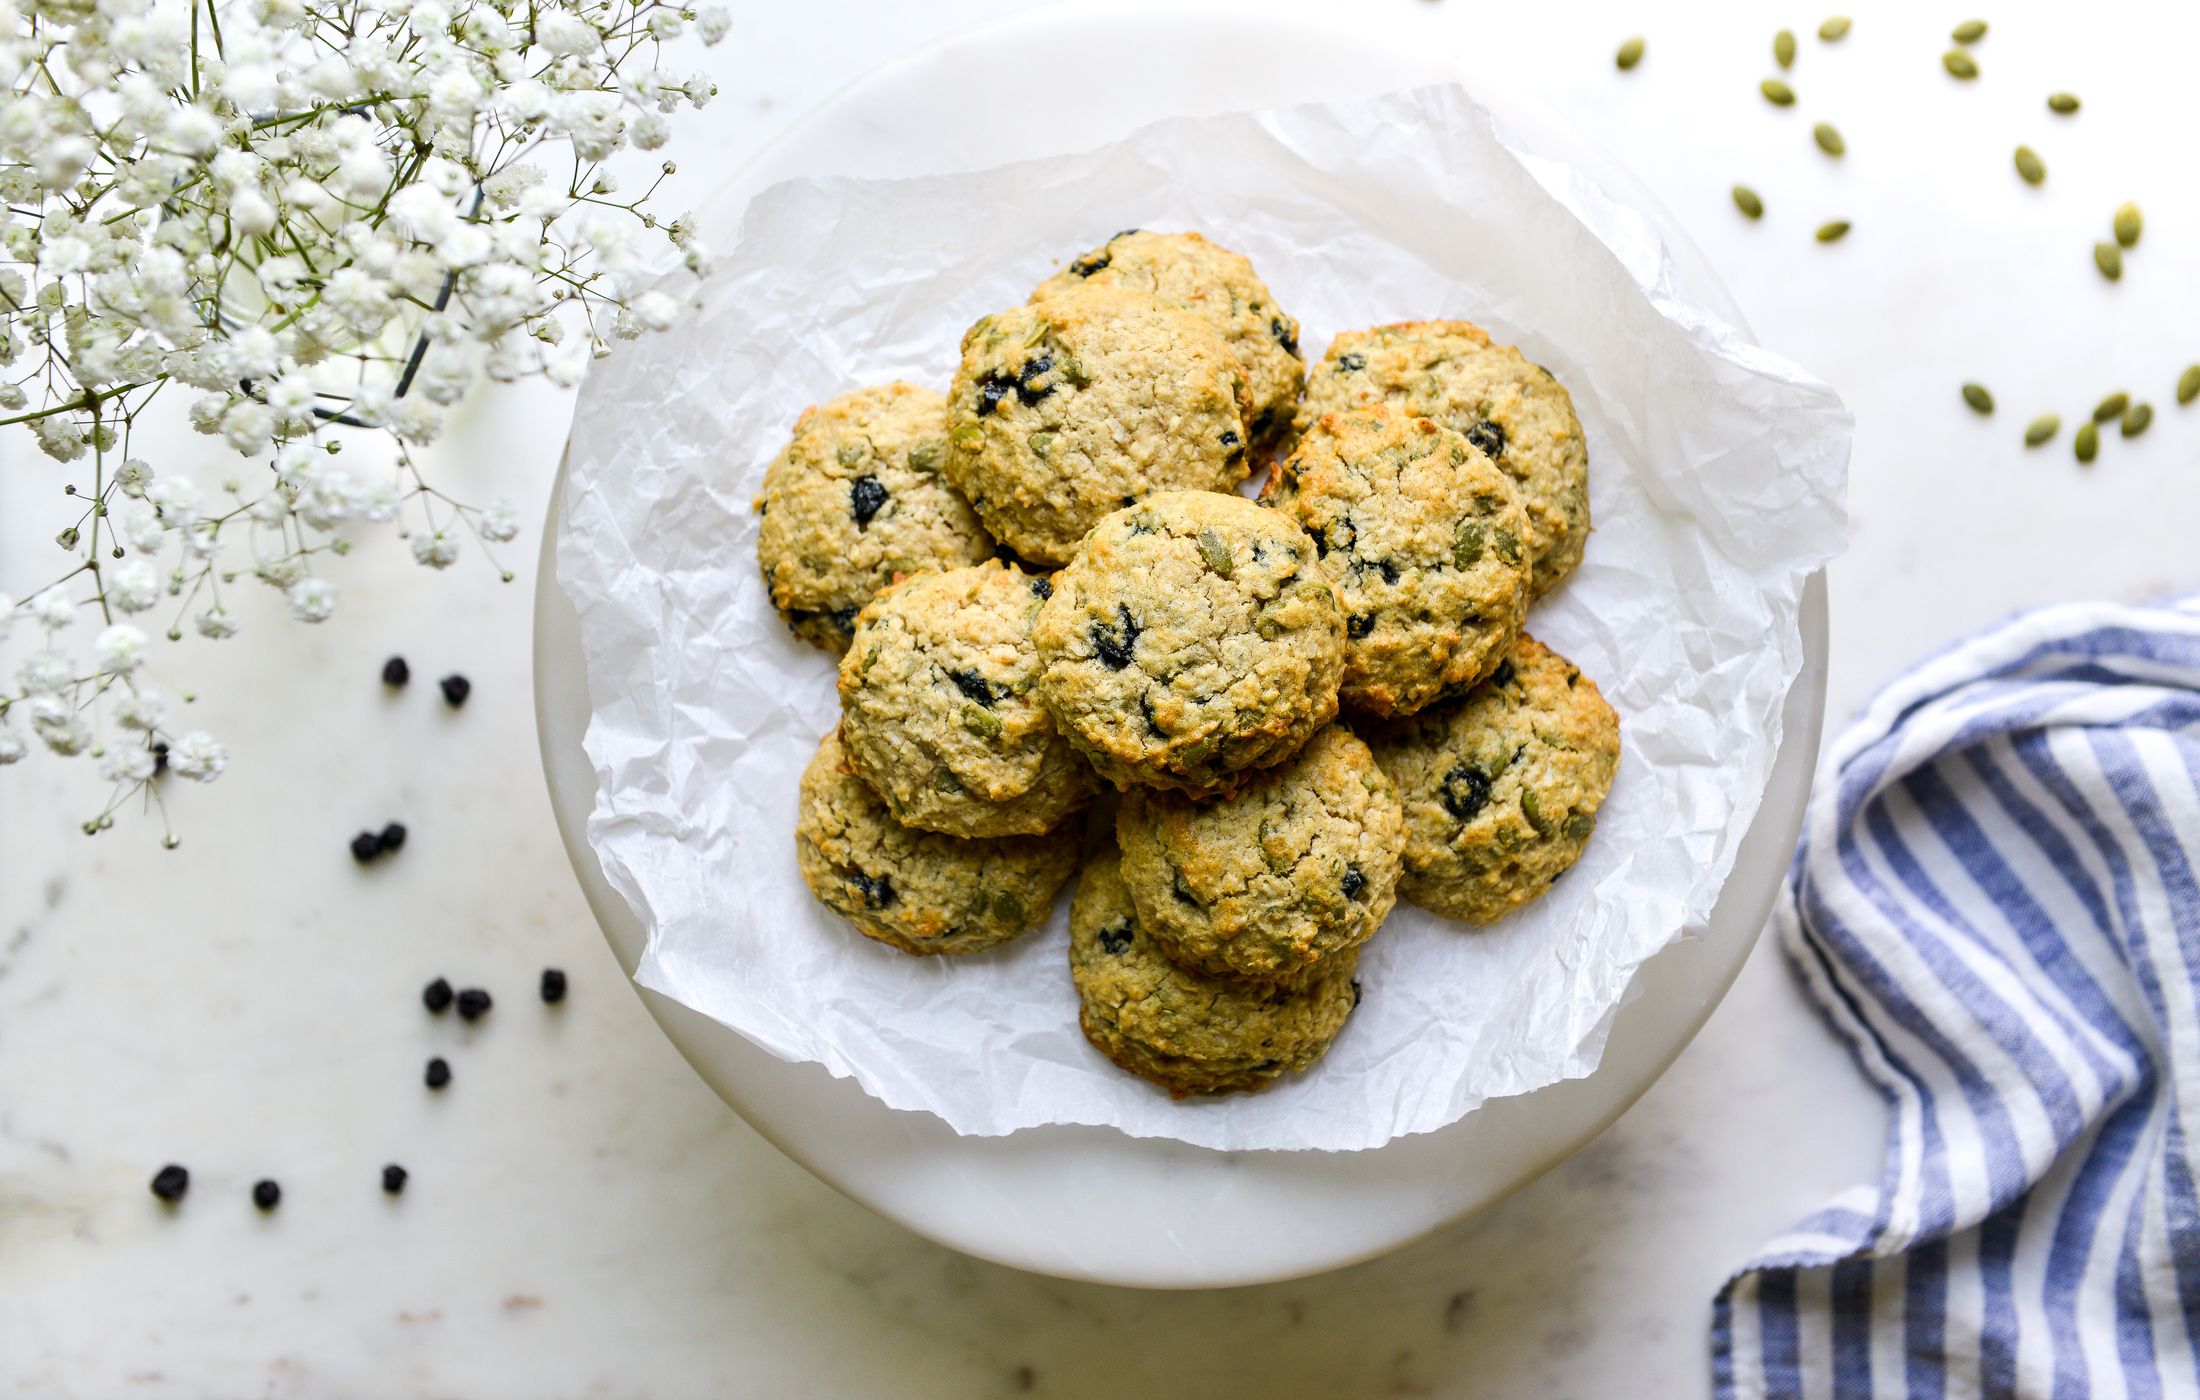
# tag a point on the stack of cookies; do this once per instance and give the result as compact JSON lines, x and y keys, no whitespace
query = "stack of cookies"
{"x":1045,"y":588}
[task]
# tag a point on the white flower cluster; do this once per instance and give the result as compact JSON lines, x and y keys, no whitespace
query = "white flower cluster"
{"x":303,"y":221}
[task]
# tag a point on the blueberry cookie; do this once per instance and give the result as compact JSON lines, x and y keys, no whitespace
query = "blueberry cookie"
{"x":855,"y":498}
{"x":1422,"y":539}
{"x":918,"y":890}
{"x":1071,"y":407}
{"x":1189,"y":1033}
{"x":1511,"y":409}
{"x":937,"y":709}
{"x":1220,"y":286}
{"x":1190,"y":641}
{"x":1292,"y":870}
{"x":1502,"y":788}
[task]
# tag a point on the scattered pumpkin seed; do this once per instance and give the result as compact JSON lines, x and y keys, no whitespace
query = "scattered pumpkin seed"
{"x":1532,"y":809}
{"x":1828,"y":139}
{"x":1630,"y":54}
{"x":2042,"y":429}
{"x":1834,"y":30}
{"x":2111,"y":407}
{"x":2188,"y":385}
{"x":1833,"y":231}
{"x":1042,"y":442}
{"x":2030,"y":166}
{"x":1976,"y":396}
{"x":2129,"y":224}
{"x":1215,"y":552}
{"x":2063,"y":103}
{"x":1778,"y":93}
{"x":2109,"y":259}
{"x":1969,"y":32}
{"x":1959,"y":64}
{"x":2136,"y":419}
{"x":1783,"y":48}
{"x":2087,"y":444}
{"x":1746,"y":200}
{"x":984,"y":724}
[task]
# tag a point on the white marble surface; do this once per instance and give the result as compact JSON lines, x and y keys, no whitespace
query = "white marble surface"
{"x":585,"y":1219}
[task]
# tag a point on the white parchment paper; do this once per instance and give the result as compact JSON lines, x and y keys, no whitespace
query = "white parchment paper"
{"x":1717,"y":474}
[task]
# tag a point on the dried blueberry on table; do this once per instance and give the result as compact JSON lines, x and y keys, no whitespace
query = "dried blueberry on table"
{"x":170,"y":1182}
{"x":1116,"y":937}
{"x":266,"y":1194}
{"x":473,"y":1004}
{"x":553,"y":985}
{"x":877,"y":890}
{"x":439,"y":1072}
{"x":1465,"y":792}
{"x":1487,"y":436}
{"x":393,"y":1179}
{"x":393,"y":837}
{"x":1113,"y":645}
{"x":974,"y":687}
{"x":1353,"y":882}
{"x":366,"y":846}
{"x":455,"y":689}
{"x":1351,"y":360}
{"x":395,"y":673}
{"x":865,"y":496}
{"x":1285,"y":336}
{"x":436,"y":996}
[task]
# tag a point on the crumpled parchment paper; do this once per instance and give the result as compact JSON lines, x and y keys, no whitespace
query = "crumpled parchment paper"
{"x":1717,"y":474}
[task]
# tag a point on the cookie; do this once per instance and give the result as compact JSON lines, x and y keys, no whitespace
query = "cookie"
{"x":1421,"y":537}
{"x":1511,"y":409}
{"x":1071,"y":407}
{"x":1220,"y":286}
{"x":1189,"y":1033}
{"x":1501,"y":788}
{"x":855,"y":498}
{"x":938,"y":712}
{"x":1294,"y":869}
{"x":918,"y":890}
{"x":1190,"y":641}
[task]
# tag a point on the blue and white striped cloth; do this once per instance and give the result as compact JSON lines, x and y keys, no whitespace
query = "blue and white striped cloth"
{"x":1994,"y":903}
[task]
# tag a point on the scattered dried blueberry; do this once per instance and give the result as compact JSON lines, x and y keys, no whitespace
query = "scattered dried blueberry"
{"x":1042,"y":588}
{"x":973,"y":686}
{"x":436,"y":996}
{"x":395,"y":673}
{"x":1113,"y":645}
{"x":473,"y":1004}
{"x":393,"y":837}
{"x":366,"y":846}
{"x":1359,"y":625}
{"x":455,"y":689}
{"x":439,"y":1072}
{"x":1465,"y":792}
{"x":1116,"y":937}
{"x":1505,"y":675}
{"x":1351,"y":360}
{"x":553,"y":985}
{"x":1489,"y":437}
{"x":266,"y":1194}
{"x":160,"y":756}
{"x":877,"y":890}
{"x":1033,"y":370}
{"x":993,"y":386}
{"x":1353,"y":882}
{"x":170,"y":1182}
{"x":1086,"y":266}
{"x":1285,"y":336}
{"x":393,"y":1179}
{"x":1357,"y":993}
{"x":865,"y":496}
{"x":844,"y":619}
{"x":1232,"y":440}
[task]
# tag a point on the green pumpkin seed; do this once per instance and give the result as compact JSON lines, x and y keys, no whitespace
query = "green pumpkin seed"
{"x":925,"y":457}
{"x":1042,"y":442}
{"x":1783,"y":48}
{"x":1969,"y":32}
{"x":1833,"y":232}
{"x":1215,"y":552}
{"x":1959,"y":64}
{"x":2109,"y":259}
{"x":1578,"y":825}
{"x":947,"y":782}
{"x":1533,"y":811}
{"x":1779,"y":94}
{"x":2063,"y":103}
{"x":1630,"y":54}
{"x":1746,"y":200}
{"x":2088,"y":442}
{"x":1008,"y":910}
{"x":2128,"y":224}
{"x":1834,"y":30}
{"x":969,"y":437}
{"x":1508,"y":545}
{"x":1466,"y":544}
{"x":1828,"y":139}
{"x":2030,"y":166}
{"x":2111,"y":407}
{"x":983,"y":723}
{"x":1976,"y":396}
{"x":2042,"y":428}
{"x":2136,"y":419}
{"x":2188,"y":385}
{"x":850,"y":454}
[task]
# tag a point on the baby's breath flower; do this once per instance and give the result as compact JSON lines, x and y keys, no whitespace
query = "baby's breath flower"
{"x":312,"y":599}
{"x":435,"y":548}
{"x":54,"y":609}
{"x":140,"y":709}
{"x":12,"y":747}
{"x":498,"y":524}
{"x":196,"y":756}
{"x":126,"y":763}
{"x":216,"y":623}
{"x":120,"y":648}
{"x":133,"y":587}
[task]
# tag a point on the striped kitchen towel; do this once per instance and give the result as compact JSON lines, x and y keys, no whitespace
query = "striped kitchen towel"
{"x":1994,"y":904}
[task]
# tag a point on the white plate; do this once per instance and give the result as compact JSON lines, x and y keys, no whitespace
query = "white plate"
{"x":1090,"y":1203}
